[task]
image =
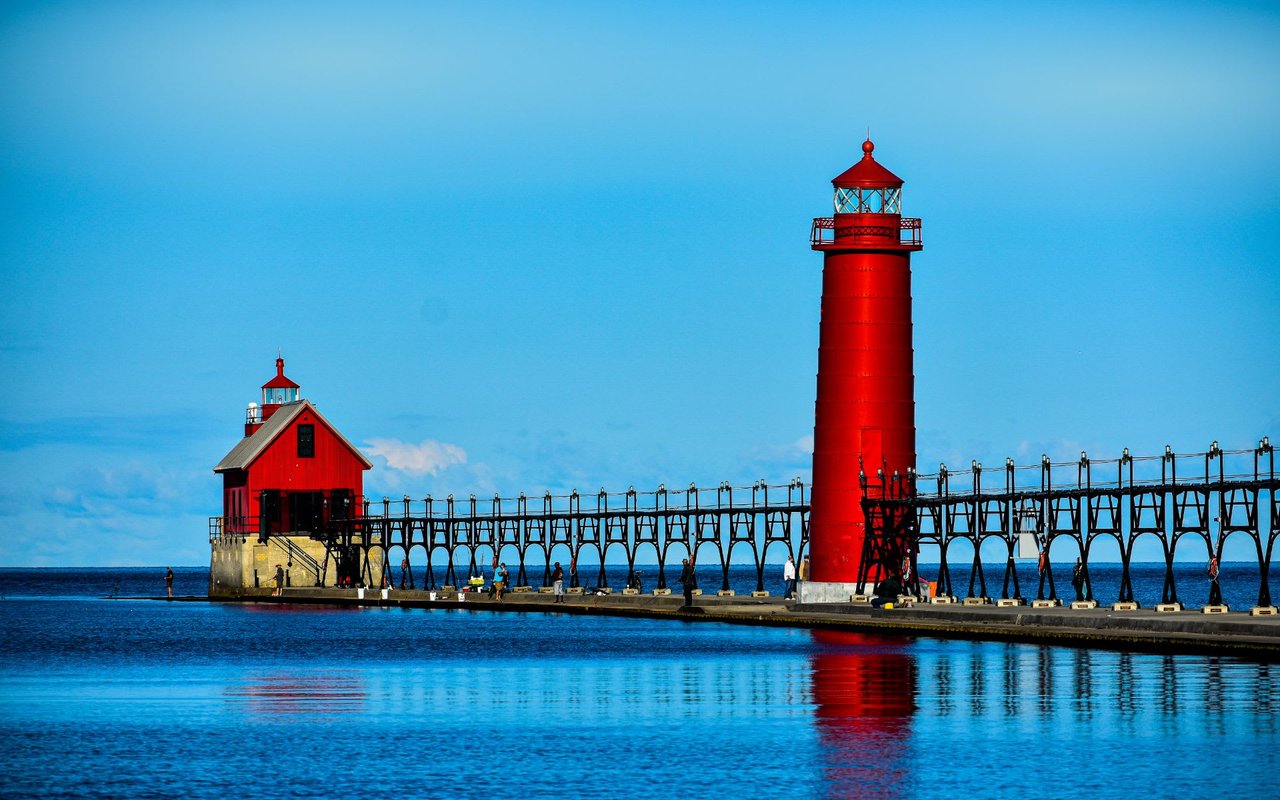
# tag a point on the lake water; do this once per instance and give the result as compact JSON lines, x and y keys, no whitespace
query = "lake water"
{"x":138,"y":698}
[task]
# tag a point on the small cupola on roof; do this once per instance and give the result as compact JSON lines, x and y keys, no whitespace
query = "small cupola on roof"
{"x":278,"y":391}
{"x":867,"y":187}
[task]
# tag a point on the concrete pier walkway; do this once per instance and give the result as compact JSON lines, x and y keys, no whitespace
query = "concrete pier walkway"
{"x":1235,"y":633}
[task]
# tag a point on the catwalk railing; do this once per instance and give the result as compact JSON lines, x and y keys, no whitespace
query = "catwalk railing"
{"x":710,"y":526}
{"x":1196,"y":502}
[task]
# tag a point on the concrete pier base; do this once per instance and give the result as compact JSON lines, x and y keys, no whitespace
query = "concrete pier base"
{"x":1234,"y":633}
{"x":1008,"y":602}
{"x":828,"y":592}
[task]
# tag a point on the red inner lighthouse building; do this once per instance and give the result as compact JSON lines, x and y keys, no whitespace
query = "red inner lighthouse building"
{"x":291,"y":473}
{"x":865,"y":409}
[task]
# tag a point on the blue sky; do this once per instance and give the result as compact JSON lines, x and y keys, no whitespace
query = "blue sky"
{"x":516,"y":246}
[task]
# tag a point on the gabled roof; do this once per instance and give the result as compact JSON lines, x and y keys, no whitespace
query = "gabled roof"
{"x":253,"y":445}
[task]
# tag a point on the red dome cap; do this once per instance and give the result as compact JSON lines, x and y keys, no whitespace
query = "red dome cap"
{"x":867,"y":173}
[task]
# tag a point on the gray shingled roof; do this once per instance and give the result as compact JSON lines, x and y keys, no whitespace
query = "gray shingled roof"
{"x":252,"y":446}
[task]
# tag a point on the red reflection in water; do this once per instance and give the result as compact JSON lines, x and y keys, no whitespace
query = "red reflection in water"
{"x":864,"y":691}
{"x":298,"y":694}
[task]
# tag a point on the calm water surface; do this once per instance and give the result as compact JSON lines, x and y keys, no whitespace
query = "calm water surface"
{"x":137,"y":698}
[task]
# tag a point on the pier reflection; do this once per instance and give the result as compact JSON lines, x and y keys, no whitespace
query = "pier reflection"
{"x":863,"y":690}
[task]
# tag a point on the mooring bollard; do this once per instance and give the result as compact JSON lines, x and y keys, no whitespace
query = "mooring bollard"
{"x":1169,"y":608}
{"x":1007,"y":602}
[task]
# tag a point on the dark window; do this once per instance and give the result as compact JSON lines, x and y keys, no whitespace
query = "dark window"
{"x":306,"y":441}
{"x":271,"y":512}
{"x":306,"y":511}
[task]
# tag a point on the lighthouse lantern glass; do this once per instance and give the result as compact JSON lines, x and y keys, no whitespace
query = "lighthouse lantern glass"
{"x":279,"y":396}
{"x":854,"y":200}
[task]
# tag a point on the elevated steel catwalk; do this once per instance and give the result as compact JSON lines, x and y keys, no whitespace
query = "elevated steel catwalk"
{"x":666,"y":525}
{"x":1209,"y":497}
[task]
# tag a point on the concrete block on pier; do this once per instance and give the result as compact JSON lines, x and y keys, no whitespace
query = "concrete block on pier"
{"x":1125,"y":606}
{"x":630,"y":591}
{"x":697,"y":593}
{"x":573,"y":590}
{"x":976,"y":601}
{"x":760,"y":594}
{"x":906,"y":600}
{"x":943,"y":600}
{"x":661,"y":592}
{"x":1041,"y":602}
{"x":1008,"y":602}
{"x":1168,"y":608}
{"x":604,"y":590}
{"x":546,"y":589}
{"x":860,"y":599}
{"x":448,"y":588}
{"x":1263,"y":611}
{"x":1218,"y":609}
{"x":1084,"y":604}
{"x":521,"y":589}
{"x":725,"y":593}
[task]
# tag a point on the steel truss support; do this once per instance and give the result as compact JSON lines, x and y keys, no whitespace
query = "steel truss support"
{"x":1221,"y":496}
{"x":727,"y":523}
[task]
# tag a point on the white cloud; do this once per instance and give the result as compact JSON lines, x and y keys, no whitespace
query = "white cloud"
{"x":426,"y":458}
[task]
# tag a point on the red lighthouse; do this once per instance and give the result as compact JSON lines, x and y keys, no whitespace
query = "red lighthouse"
{"x":866,"y":400}
{"x":291,"y":474}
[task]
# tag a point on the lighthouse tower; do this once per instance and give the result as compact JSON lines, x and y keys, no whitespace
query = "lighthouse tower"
{"x":865,"y":405}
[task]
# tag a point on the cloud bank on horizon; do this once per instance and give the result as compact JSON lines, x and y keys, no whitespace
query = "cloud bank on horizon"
{"x":519,"y":248}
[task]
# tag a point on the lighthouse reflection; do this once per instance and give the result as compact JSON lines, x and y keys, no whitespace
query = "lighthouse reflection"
{"x":864,"y":695}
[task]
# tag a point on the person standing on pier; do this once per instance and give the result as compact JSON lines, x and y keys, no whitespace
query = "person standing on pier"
{"x":168,"y":581}
{"x":1215,"y":591}
{"x":404,"y":570}
{"x":500,"y":579}
{"x":1077,"y":579}
{"x":789,"y":577}
{"x":687,"y":580}
{"x":557,"y":582}
{"x":279,"y":591}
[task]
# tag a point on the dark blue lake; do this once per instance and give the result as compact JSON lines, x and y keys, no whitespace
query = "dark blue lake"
{"x":138,"y":698}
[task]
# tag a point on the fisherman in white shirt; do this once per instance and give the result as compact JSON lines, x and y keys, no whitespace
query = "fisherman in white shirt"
{"x":789,"y":575}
